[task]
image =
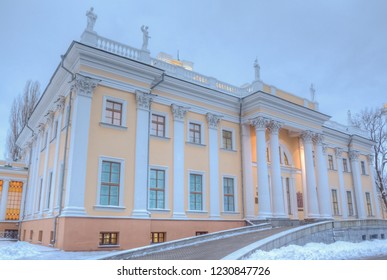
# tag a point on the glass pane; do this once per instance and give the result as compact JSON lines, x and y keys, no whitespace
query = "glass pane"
{"x":114,"y":191}
{"x":117,"y":106}
{"x":114,"y":201}
{"x":105,"y":166}
{"x":105,"y":177}
{"x":104,"y":190}
{"x":115,"y":168}
{"x":104,"y":200}
{"x":109,"y":105}
{"x":115,"y":178}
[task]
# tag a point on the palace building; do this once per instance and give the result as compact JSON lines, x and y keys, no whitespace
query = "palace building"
{"x":124,"y":149}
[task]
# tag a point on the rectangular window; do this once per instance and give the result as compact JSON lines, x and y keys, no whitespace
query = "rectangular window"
{"x":49,"y":191}
{"x":40,"y":236}
{"x":113,"y":114}
{"x":15,"y":191}
{"x":350,"y":203}
{"x":195,"y":134}
{"x":228,"y":192}
{"x":110,"y":183}
{"x":201,"y":233}
{"x":330,"y":162}
{"x":369,"y":205}
{"x":158,"y":125}
{"x":227,"y":139}
{"x":52,"y":237}
{"x":196,"y":192}
{"x":31,"y":234}
{"x":158,"y":237}
{"x":288,"y":196}
{"x":363,"y":168}
{"x":345,"y":165}
{"x":108,"y":238}
{"x":157,"y":189}
{"x":335,"y":203}
{"x":300,"y":201}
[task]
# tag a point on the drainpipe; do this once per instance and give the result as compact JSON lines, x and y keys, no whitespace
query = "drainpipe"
{"x":61,"y":187}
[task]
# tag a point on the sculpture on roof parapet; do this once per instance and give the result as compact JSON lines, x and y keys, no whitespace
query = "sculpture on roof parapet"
{"x":257,"y":70}
{"x":312,"y":93}
{"x":145,"y":37}
{"x":91,"y":19}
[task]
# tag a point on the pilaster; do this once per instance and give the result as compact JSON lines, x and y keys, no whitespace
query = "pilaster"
{"x":213,"y":121}
{"x":4,"y":199}
{"x":179,"y":113}
{"x":144,"y":101}
{"x":249,"y":195}
{"x":82,"y":88}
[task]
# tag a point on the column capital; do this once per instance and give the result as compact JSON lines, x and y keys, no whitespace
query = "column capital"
{"x":371,"y":159}
{"x":318,"y":139}
{"x":354,"y":155}
{"x":84,"y":85}
{"x":144,"y":100}
{"x":339,"y":152}
{"x":61,"y":103}
{"x":213,"y":120}
{"x":259,"y":122}
{"x":274,"y":126}
{"x":307,"y":136}
{"x":178,"y":112}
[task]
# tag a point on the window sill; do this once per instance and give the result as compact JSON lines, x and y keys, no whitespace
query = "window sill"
{"x":231,"y":213}
{"x":201,"y":212}
{"x":157,"y":210}
{"x":109,"y":125}
{"x":228,"y":150}
{"x":109,"y":246}
{"x":109,"y":208}
{"x":195,"y":144}
{"x":160,"y":137}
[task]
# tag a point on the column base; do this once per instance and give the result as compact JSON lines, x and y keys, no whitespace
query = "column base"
{"x":313,"y":216}
{"x":140,"y":214}
{"x":265,"y":215}
{"x":73,"y":211}
{"x":179,"y":215}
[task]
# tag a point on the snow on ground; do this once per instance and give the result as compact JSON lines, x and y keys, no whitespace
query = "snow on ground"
{"x":11,"y":250}
{"x":318,"y":251}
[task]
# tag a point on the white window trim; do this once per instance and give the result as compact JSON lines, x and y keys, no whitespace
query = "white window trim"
{"x":166,"y":187}
{"x":348,"y":165}
{"x":49,"y":189}
{"x":235,"y":193}
{"x":201,"y":132}
{"x":232,"y":130}
{"x":353,"y":203}
{"x":365,"y":168}
{"x":121,"y":205}
{"x":123,"y":115}
{"x":204,"y":191}
{"x":166,"y":116}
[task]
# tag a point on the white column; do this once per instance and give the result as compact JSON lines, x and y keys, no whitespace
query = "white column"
{"x":293,"y":196}
{"x":264,"y":201}
{"x":213,"y":121}
{"x":375,"y":190}
{"x":4,"y":199}
{"x":249,"y":194}
{"x":142,"y":155}
{"x":322,"y":177}
{"x":22,"y":202}
{"x":343,"y":193}
{"x":359,"y":196}
{"x":276,"y":182}
{"x":35,"y":206}
{"x":179,"y":113}
{"x":46,"y":178}
{"x":56,"y":171}
{"x":313,"y":209}
{"x":82,"y":88}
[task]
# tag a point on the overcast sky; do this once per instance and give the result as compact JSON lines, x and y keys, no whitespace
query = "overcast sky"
{"x":339,"y":46}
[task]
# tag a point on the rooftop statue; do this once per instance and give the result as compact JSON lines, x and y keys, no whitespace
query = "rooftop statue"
{"x":91,"y":18}
{"x":312,"y":92}
{"x":145,"y":37}
{"x":257,"y":70}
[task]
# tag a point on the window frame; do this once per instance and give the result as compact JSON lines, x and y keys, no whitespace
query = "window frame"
{"x":335,"y":202}
{"x":165,"y":191}
{"x":345,"y":165}
{"x":223,"y":144}
{"x":331,"y":165}
{"x":351,"y":211}
{"x":363,"y":168}
{"x":156,"y":236}
{"x":203,"y":191}
{"x":166,"y":124}
{"x":369,"y":204}
{"x":201,"y":136}
{"x":109,"y":244}
{"x":104,"y":121}
{"x":121,"y":188}
{"x":234,"y":194}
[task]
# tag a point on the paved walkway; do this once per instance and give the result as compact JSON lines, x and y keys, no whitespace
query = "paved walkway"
{"x":214,"y":249}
